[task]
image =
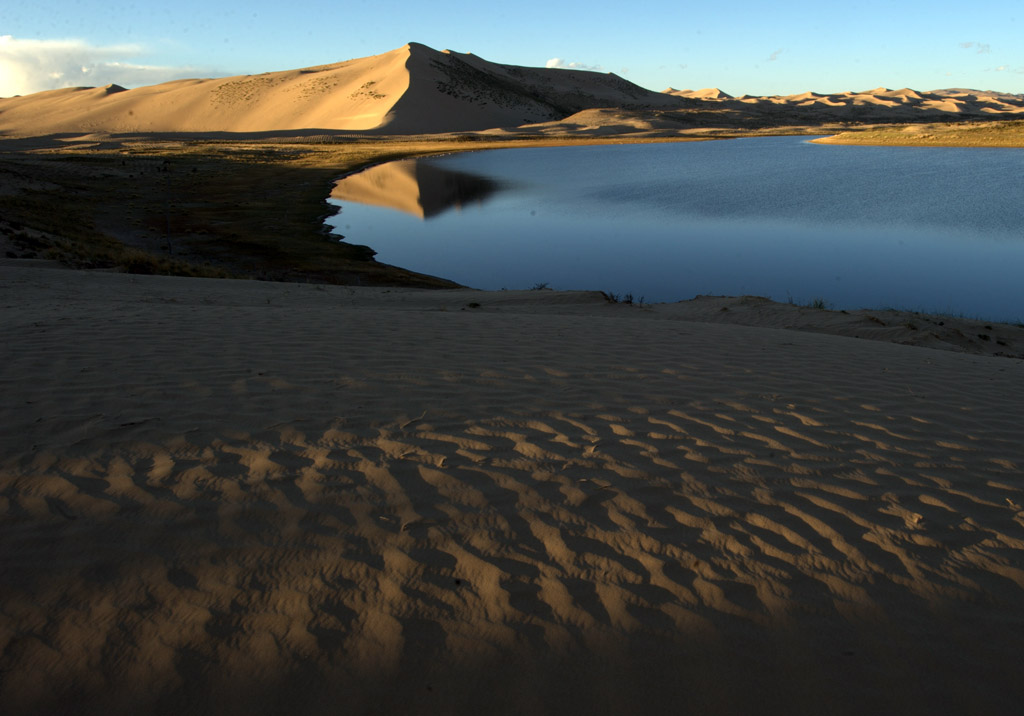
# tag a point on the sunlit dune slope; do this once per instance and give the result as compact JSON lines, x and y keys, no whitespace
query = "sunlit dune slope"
{"x":411,"y":90}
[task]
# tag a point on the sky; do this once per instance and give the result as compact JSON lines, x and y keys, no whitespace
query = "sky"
{"x":741,"y":46}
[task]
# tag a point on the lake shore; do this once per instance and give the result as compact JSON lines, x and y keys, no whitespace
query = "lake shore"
{"x":248,"y":206}
{"x":254,"y":205}
{"x":1008,"y":134}
{"x":228,"y":496}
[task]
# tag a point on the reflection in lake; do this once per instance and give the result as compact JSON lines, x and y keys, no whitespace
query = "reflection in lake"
{"x":415,"y":187}
{"x":935,"y":229}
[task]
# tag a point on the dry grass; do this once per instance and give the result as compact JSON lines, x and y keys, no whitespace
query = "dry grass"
{"x":1004,"y":133}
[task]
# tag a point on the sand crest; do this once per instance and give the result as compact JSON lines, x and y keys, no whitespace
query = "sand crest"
{"x":245,"y":497}
{"x":410,"y":90}
{"x":415,"y":89}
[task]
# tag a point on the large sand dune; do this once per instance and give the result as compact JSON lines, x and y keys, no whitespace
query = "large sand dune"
{"x":349,"y":95}
{"x":233,"y":497}
{"x":411,"y":90}
{"x":417,"y":90}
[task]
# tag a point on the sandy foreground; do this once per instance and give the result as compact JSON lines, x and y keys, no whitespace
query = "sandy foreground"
{"x":242,"y":497}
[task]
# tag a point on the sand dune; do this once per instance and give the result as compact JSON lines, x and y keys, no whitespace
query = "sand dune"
{"x":878,"y":105}
{"x":458,"y":92}
{"x":417,"y":90}
{"x":708,"y":93}
{"x":243,"y":497}
{"x":349,"y":95}
{"x":608,"y":122}
{"x":411,"y":90}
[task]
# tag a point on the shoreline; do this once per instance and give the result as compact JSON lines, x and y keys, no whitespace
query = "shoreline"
{"x":138,"y":239}
{"x":404,"y":188}
{"x":275,"y":193}
{"x":217,"y":177}
{"x":1002,"y":134}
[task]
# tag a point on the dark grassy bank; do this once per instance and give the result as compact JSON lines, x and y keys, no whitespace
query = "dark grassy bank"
{"x":219,"y":207}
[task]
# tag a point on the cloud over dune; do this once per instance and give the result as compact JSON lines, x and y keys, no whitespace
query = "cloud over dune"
{"x":28,"y":66}
{"x":560,"y":64}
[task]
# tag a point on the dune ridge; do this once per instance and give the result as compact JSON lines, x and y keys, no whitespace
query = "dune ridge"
{"x":418,"y":90}
{"x":411,"y":90}
{"x":245,"y":497}
{"x":707,"y":93}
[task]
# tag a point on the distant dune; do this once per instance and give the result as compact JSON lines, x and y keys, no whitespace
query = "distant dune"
{"x":885,"y":105}
{"x":709,"y":93}
{"x":418,"y":90}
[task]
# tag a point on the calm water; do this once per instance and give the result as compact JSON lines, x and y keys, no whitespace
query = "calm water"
{"x":926,"y":229}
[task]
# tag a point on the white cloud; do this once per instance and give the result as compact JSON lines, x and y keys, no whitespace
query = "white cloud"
{"x":28,"y":66}
{"x":1018,"y":70}
{"x":774,"y":56}
{"x":559,"y":63}
{"x":981,"y":48}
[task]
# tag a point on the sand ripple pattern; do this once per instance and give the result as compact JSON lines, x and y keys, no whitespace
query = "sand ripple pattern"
{"x":322,"y":507}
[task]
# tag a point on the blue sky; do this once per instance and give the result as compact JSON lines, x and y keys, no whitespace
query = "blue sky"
{"x":742,"y":46}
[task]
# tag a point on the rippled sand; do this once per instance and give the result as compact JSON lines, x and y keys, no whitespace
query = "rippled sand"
{"x":243,"y":497}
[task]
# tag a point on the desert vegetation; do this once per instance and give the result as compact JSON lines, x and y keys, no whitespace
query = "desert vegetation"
{"x":1003,"y":133}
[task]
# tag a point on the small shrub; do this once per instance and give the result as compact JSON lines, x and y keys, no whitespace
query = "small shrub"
{"x":627,"y":298}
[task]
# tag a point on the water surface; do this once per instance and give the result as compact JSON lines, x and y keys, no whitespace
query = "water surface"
{"x":936,"y":229}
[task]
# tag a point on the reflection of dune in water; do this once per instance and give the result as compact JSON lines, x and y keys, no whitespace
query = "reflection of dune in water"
{"x":414,"y":186}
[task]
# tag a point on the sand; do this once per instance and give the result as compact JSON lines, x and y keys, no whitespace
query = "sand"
{"x":226,"y":497}
{"x":416,"y":90}
{"x":413,"y":89}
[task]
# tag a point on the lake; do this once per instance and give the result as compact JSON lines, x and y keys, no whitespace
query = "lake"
{"x":929,"y":229}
